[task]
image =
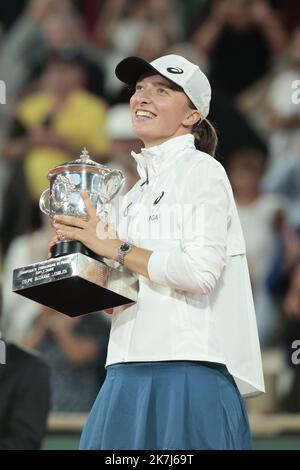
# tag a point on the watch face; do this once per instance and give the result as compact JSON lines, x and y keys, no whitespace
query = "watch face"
{"x":125,"y":247}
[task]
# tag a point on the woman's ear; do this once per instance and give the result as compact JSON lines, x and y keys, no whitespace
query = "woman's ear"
{"x":191,"y":118}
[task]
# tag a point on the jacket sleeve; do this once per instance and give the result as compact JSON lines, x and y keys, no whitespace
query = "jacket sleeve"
{"x":204,"y":205}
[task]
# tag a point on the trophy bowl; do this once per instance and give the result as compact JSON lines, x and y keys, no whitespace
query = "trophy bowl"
{"x":63,"y":196}
{"x":68,"y":179}
{"x":75,"y":280}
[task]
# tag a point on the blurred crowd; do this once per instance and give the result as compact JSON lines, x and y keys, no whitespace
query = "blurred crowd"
{"x":57,"y":60}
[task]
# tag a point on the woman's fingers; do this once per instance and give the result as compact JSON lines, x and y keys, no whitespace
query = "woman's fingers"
{"x":68,"y":220}
{"x":51,"y":244}
{"x":72,"y":233}
{"x":54,"y":240}
{"x":78,"y":222}
{"x":88,"y":204}
{"x":76,"y":228}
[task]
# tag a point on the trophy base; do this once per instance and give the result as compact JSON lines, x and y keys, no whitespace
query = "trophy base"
{"x":76,"y":284}
{"x":68,"y":247}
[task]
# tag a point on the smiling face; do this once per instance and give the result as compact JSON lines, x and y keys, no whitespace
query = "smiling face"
{"x":160,"y":110}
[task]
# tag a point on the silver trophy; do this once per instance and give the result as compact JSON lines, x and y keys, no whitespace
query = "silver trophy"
{"x":75,"y":280}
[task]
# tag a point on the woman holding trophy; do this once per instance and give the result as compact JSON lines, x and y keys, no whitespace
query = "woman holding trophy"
{"x":180,"y":358}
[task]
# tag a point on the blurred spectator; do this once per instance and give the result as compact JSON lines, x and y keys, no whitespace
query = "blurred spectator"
{"x":61,"y":26}
{"x":283,"y":106}
{"x":259,"y":215}
{"x":24,"y":399}
{"x":44,"y":25}
{"x":89,"y":11}
{"x":149,"y":42}
{"x":130,"y":27}
{"x":291,"y":332}
{"x":123,"y":142}
{"x":290,"y":13}
{"x":287,"y":257}
{"x":18,"y":311}
{"x":119,"y":20}
{"x":52,"y":126}
{"x":75,"y":349}
{"x":10,"y":11}
{"x":233,"y":128}
{"x":283,"y":177}
{"x":152,"y":41}
{"x":191,"y":53}
{"x":240,"y":38}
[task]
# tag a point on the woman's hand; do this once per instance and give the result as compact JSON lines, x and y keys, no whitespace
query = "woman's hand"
{"x":53,"y":242}
{"x":93,"y":233}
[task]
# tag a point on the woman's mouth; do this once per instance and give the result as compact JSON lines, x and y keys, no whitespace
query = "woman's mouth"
{"x":142,"y":114}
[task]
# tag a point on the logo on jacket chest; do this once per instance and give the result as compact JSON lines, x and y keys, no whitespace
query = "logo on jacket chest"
{"x":126,"y":210}
{"x":154,"y":215}
{"x":158,"y":198}
{"x":137,"y":209}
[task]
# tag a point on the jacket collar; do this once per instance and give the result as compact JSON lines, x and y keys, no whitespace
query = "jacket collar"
{"x":151,"y":161}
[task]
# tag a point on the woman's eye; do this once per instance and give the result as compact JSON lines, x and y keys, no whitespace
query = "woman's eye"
{"x":162,"y":91}
{"x":138,"y":87}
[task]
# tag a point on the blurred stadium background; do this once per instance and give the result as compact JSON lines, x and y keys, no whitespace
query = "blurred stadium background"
{"x":57,"y":60}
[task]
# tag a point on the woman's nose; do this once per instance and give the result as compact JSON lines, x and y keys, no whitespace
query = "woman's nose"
{"x":143,"y":96}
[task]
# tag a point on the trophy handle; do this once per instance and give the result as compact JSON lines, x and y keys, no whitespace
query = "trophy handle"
{"x":45,"y":202}
{"x":113,"y":182}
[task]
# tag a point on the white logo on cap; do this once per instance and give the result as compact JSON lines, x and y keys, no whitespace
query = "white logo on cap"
{"x":174,"y":70}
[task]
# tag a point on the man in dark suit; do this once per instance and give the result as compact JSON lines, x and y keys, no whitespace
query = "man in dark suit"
{"x":24,"y":398}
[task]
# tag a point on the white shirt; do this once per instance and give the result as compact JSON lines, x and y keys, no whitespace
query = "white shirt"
{"x":197,"y":304}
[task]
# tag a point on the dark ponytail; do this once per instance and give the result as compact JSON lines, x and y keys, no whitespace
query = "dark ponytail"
{"x":206,"y":139}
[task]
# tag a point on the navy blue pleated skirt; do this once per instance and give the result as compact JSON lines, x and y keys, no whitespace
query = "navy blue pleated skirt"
{"x":178,"y":405}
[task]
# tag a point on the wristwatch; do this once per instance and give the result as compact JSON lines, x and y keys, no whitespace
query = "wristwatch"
{"x":124,"y":249}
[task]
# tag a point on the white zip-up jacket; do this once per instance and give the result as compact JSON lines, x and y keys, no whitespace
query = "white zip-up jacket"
{"x":197,"y":304}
